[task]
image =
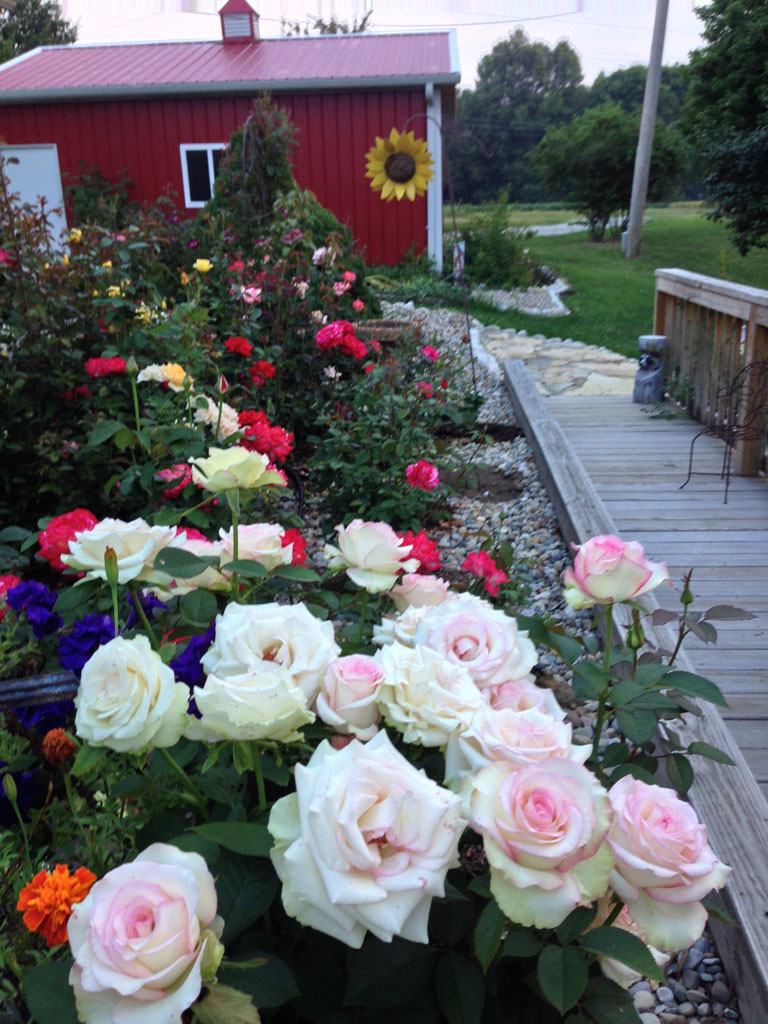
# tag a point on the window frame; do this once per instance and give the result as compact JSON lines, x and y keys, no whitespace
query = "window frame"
{"x":207,"y":147}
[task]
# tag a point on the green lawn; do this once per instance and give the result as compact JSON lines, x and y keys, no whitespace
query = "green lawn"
{"x":612,"y":302}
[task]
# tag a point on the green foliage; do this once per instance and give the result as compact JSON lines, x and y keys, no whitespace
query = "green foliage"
{"x":95,"y":199}
{"x":522,"y":89}
{"x":33,"y":23}
{"x":591,"y":162}
{"x":727,"y":116}
{"x":495,"y":255}
{"x":254,"y":170}
{"x":626,"y":88}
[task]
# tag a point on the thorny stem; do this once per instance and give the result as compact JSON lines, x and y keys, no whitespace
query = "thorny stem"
{"x":190,"y":787}
{"x":599,"y":721}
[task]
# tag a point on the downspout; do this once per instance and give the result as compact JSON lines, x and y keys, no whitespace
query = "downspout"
{"x":435,"y":188}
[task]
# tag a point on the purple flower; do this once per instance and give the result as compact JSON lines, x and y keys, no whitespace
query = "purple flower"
{"x":86,"y":637}
{"x":187,"y":666}
{"x":43,"y":717}
{"x":37,"y":601}
{"x":149,"y":603}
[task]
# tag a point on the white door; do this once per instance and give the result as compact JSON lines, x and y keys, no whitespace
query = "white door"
{"x":33,"y":173}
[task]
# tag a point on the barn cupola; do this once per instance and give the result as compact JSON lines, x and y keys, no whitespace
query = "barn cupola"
{"x":239,"y":22}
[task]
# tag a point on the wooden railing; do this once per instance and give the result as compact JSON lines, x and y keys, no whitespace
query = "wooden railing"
{"x":713,"y":329}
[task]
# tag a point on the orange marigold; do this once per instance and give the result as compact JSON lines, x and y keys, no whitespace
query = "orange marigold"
{"x":47,"y":901}
{"x":57,"y":746}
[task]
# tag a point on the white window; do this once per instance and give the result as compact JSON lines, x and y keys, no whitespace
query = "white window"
{"x":199,"y":164}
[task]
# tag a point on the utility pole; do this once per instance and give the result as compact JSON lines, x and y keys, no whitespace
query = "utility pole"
{"x":645,"y":139}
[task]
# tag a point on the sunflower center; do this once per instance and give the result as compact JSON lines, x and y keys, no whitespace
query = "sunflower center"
{"x":400,"y":167}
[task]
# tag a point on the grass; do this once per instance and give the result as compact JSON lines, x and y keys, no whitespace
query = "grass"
{"x":612,"y":302}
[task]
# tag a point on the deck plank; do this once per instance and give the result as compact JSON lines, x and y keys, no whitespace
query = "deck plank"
{"x":609,"y":467}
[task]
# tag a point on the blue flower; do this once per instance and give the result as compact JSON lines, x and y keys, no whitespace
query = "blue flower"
{"x":37,"y":601}
{"x":88,"y":634}
{"x":187,"y":666}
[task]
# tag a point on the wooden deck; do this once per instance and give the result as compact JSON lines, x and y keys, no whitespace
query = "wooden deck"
{"x":609,"y":467}
{"x":637,"y":464}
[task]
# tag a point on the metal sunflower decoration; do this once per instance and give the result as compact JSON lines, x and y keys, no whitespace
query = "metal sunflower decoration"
{"x":399,"y":166}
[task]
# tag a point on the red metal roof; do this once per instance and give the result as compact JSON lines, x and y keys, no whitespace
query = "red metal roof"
{"x":314,"y":62}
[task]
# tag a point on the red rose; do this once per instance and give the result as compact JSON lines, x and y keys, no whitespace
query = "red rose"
{"x":55,"y":537}
{"x":260,"y":371}
{"x":424,"y":549}
{"x":299,"y":553}
{"x":423,"y":475}
{"x":98,"y":367}
{"x":239,"y":346}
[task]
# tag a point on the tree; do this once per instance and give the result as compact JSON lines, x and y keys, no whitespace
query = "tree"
{"x":33,"y":23}
{"x":522,"y":89}
{"x":727,"y":111}
{"x":627,"y":88}
{"x":590,"y":162}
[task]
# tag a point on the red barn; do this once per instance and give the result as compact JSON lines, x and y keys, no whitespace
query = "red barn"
{"x":163,"y":111}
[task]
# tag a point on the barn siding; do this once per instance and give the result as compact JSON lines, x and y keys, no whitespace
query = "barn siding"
{"x":335,"y":130}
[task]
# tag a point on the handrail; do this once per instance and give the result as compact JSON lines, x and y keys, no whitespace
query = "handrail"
{"x":713,"y":328}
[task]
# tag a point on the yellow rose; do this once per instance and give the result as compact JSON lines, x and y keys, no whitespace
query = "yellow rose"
{"x":75,"y":235}
{"x":175,"y":375}
{"x":113,"y":291}
{"x":65,"y":260}
{"x":202,"y":266}
{"x":184,"y":278}
{"x":226,"y":469}
{"x":107,"y":263}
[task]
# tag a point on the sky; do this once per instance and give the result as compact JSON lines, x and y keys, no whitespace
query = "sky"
{"x":607,"y":34}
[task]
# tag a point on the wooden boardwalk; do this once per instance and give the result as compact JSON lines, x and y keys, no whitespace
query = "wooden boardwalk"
{"x":611,"y":468}
{"x":637,"y":464}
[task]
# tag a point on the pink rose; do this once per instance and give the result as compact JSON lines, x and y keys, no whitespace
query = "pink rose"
{"x":177,"y":476}
{"x":515,"y":737}
{"x":145,"y":939}
{"x":422,"y":475}
{"x":259,"y":542}
{"x":543,"y":829}
{"x":429,"y":353}
{"x":606,"y":569}
{"x":347,"y":697}
{"x":415,"y":590}
{"x":664,"y":865}
{"x":358,"y":305}
{"x":484,"y":641}
{"x":522,"y":695}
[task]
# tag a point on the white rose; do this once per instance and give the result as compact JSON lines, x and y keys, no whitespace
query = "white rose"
{"x":128,"y":699}
{"x":259,"y":542}
{"x":226,"y":469}
{"x":258,"y":702}
{"x":517,"y":737}
{"x":288,"y":635}
{"x":416,"y":590}
{"x":143,"y":937}
{"x":135,"y":545}
{"x":372,"y":554}
{"x":365,"y":843}
{"x":424,"y":696}
{"x":483,"y":640}
{"x":347,"y":697}
{"x":207,"y":412}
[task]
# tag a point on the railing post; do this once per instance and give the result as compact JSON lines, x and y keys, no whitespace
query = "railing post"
{"x":748,"y":454}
